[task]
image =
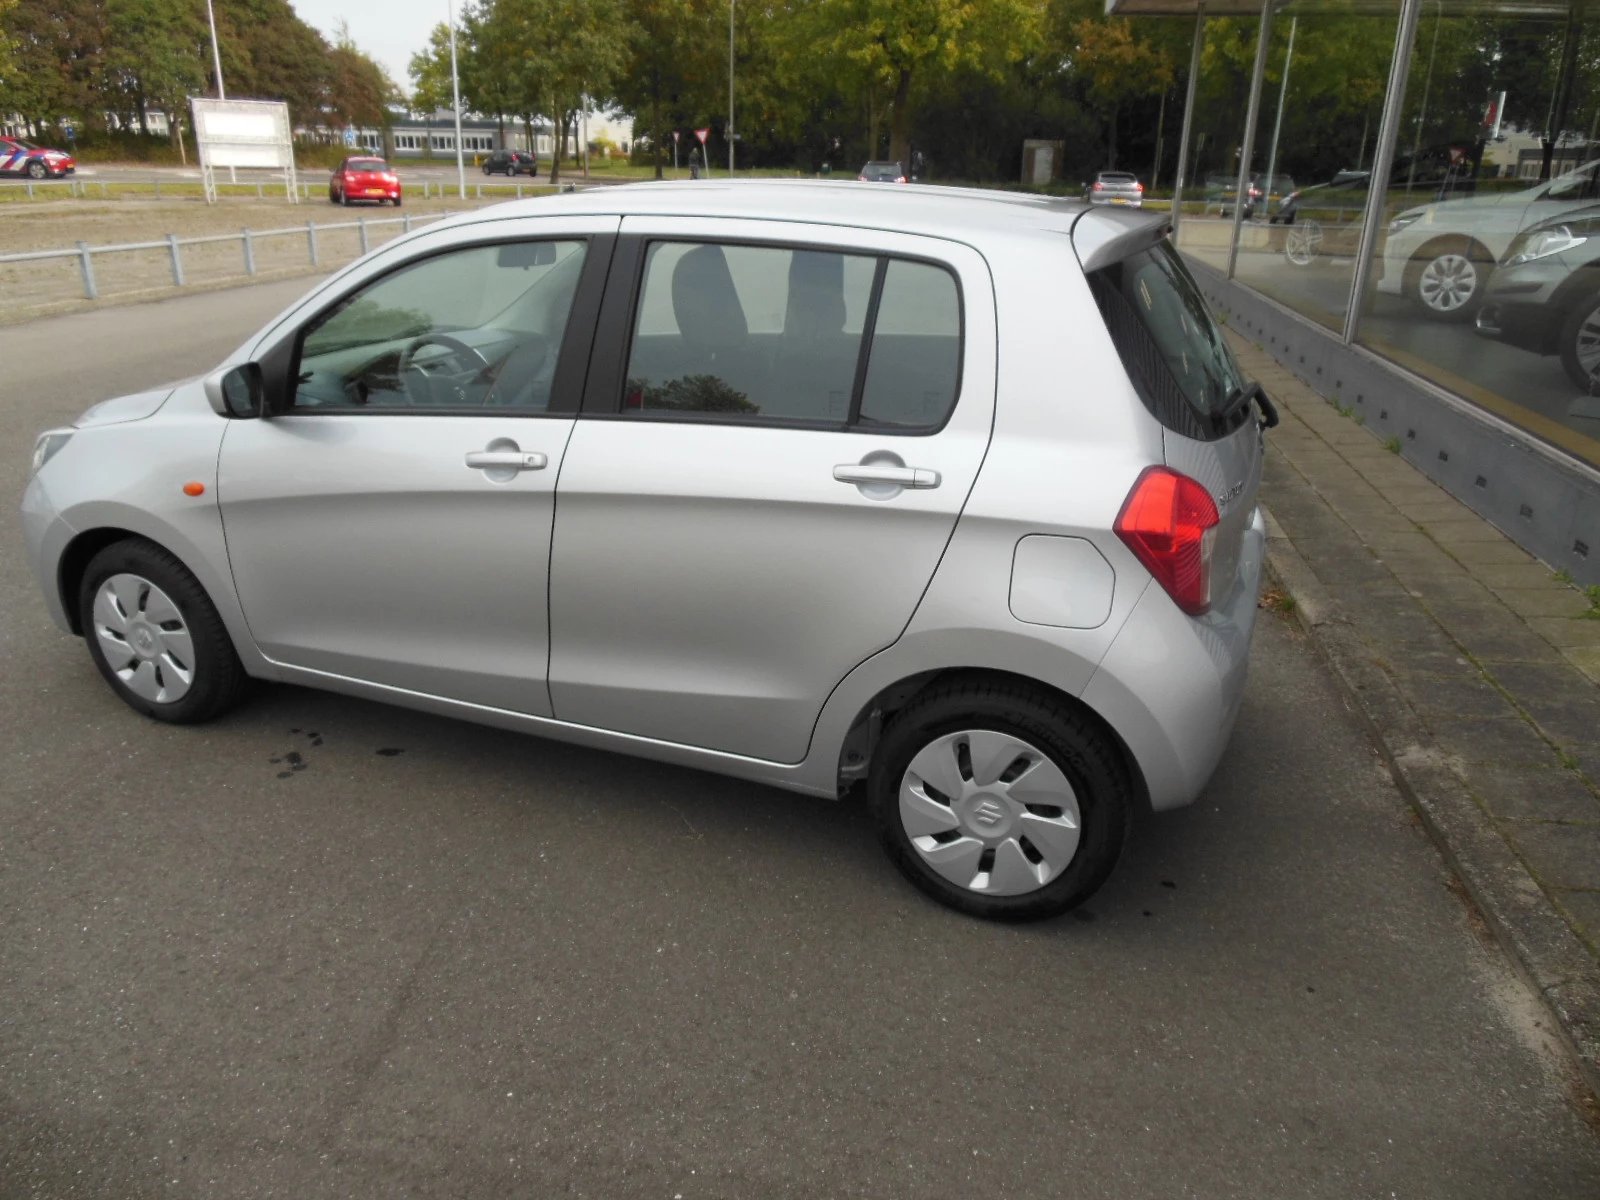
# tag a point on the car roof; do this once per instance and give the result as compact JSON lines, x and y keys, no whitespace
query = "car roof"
{"x":948,"y":212}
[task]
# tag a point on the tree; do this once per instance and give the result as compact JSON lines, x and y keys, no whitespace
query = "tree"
{"x":667,"y":66}
{"x":359,"y":90}
{"x":152,"y":59}
{"x":898,"y":43}
{"x":1112,"y":67}
{"x":430,"y":72}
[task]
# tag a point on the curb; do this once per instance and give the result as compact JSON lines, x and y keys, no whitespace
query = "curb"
{"x":1537,"y":939}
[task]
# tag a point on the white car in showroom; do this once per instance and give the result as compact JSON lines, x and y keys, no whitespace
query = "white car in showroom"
{"x":1440,"y":255}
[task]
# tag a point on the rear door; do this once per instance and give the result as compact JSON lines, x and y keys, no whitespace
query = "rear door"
{"x":781,"y":426}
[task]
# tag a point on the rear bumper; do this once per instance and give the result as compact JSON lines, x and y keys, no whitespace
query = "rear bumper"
{"x":1171,"y":685}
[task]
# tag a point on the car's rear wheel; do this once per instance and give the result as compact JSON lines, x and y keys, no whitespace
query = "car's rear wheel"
{"x":156,"y":636}
{"x":1446,"y":278}
{"x":1580,"y":344}
{"x":37,"y":170}
{"x":1302,"y":243}
{"x":999,"y":801}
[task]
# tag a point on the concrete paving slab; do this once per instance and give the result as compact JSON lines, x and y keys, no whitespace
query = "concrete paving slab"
{"x":1562,"y":855}
{"x":1543,"y":794}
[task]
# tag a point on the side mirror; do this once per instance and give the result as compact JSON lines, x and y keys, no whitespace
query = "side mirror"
{"x":235,"y":392}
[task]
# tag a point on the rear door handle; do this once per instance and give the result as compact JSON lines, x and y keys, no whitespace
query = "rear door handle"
{"x":920,"y":478}
{"x":516,"y":460}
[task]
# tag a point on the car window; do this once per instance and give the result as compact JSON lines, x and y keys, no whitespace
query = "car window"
{"x":475,"y":328}
{"x":366,"y":164}
{"x":914,"y":369}
{"x":774,"y":333}
{"x":1168,"y":342}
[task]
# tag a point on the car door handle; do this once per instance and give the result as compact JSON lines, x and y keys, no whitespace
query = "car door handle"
{"x":920,"y":478}
{"x":517,"y":460}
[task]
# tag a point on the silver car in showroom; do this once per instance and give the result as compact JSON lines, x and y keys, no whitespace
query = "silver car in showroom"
{"x":946,"y":496}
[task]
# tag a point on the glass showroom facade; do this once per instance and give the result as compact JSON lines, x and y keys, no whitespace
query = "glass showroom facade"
{"x":1423,"y":184}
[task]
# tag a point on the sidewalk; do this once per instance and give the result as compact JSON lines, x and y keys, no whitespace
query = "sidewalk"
{"x":1476,"y":668}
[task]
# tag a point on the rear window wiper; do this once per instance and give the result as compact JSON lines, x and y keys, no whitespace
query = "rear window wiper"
{"x":1254,"y":392}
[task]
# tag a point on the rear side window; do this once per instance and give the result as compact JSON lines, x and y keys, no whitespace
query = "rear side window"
{"x":779,"y":334}
{"x":1169,"y":344}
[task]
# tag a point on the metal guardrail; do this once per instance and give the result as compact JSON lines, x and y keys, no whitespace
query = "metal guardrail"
{"x":247,"y":239}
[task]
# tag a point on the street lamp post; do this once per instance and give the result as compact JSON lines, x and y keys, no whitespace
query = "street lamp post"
{"x":730,"y":88}
{"x":455,"y":92}
{"x":216,"y":54}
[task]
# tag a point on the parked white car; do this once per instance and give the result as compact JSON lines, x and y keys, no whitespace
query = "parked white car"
{"x":1440,"y":255}
{"x":944,"y":493}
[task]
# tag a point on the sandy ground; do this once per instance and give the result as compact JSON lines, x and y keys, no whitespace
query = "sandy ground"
{"x":35,"y":287}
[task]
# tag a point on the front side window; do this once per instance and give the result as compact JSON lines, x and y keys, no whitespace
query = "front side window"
{"x":775,"y":333}
{"x":471,"y":329}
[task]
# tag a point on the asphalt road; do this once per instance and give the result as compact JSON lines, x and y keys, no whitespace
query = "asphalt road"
{"x":327,"y":948}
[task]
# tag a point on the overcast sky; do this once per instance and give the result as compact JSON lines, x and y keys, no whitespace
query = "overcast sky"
{"x":390,"y":32}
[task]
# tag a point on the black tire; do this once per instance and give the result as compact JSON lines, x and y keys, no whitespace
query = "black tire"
{"x":1072,"y":741}
{"x":219,"y":681}
{"x":1433,"y":255}
{"x":397,"y":201}
{"x":1584,"y":312}
{"x":37,"y":170}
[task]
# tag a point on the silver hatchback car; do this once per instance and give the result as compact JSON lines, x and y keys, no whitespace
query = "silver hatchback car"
{"x":948,"y":495}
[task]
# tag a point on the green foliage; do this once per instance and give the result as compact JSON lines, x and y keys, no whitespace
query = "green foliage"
{"x":1592,"y":595}
{"x":1392,"y":445}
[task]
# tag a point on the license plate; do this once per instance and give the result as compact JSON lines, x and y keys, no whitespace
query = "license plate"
{"x":374,"y":191}
{"x":1118,"y":200}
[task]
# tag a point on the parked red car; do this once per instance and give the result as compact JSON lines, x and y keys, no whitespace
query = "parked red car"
{"x":18,"y":157}
{"x":363,"y":178}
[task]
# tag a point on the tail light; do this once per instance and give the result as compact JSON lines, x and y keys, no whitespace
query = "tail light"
{"x":861,"y":178}
{"x":899,"y":178}
{"x":1138,"y":187}
{"x":1255,"y":193}
{"x":1098,"y":186}
{"x":1170,"y":523}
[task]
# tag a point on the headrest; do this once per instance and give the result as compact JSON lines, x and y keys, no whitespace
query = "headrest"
{"x":816,"y":294}
{"x":704,"y":300}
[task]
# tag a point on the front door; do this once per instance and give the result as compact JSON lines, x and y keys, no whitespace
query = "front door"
{"x":394,"y":525}
{"x":781,"y":427}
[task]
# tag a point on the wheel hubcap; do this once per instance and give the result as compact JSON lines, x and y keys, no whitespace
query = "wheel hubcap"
{"x":1448,"y":282}
{"x":144,"y":638}
{"x":1587,"y":350}
{"x":989,"y":812}
{"x":1302,"y":244}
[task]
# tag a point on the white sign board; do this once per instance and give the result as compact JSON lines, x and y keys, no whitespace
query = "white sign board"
{"x":243,"y":133}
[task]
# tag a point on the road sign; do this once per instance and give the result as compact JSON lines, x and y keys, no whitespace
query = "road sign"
{"x":702,"y":134}
{"x":675,"y":136}
{"x":349,"y":136}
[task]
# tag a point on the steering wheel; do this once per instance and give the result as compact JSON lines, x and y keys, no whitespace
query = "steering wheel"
{"x":419,"y":384}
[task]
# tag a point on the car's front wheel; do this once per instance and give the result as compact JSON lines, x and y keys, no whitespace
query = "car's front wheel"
{"x":999,"y":800}
{"x":1580,"y":345}
{"x":1302,"y":243}
{"x":37,"y":170}
{"x":1446,"y":279}
{"x":156,"y":636}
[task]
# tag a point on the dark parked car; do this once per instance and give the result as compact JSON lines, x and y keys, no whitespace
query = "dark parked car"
{"x":511,"y":162}
{"x":1262,"y":194}
{"x":1544,"y":295}
{"x":882,"y":172}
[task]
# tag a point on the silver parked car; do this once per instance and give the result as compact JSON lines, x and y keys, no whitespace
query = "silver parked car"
{"x":947,"y":494}
{"x":1121,"y":188}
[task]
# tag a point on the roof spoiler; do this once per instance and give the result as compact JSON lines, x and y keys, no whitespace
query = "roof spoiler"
{"x":1103,"y":236}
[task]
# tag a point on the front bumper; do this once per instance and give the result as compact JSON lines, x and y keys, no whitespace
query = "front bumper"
{"x":46,"y":535}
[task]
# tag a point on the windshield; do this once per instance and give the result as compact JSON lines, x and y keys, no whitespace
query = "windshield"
{"x":366,"y":164}
{"x":1168,"y":341}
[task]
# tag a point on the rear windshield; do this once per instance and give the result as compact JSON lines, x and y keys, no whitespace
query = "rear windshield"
{"x":367,"y":164}
{"x":1115,"y":177}
{"x":1169,"y":344}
